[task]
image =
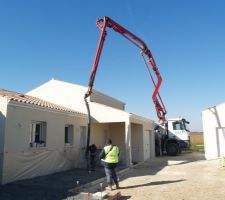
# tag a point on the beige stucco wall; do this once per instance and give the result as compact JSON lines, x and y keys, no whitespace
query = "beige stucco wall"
{"x":117,"y":134}
{"x":99,"y":134}
{"x":214,"y":131}
{"x":21,"y":161}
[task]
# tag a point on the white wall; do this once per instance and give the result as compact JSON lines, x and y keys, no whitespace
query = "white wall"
{"x":104,"y":114}
{"x":149,"y":144}
{"x":107,"y":100}
{"x":62,"y":93}
{"x":72,"y":95}
{"x":22,"y":161}
{"x":3,"y":112}
{"x":137,"y":146}
{"x":152,"y":144}
{"x":214,"y":131}
{"x":148,"y":138}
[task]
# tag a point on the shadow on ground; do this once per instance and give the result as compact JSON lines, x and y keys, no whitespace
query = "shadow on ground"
{"x":125,"y":197}
{"x":152,"y":183}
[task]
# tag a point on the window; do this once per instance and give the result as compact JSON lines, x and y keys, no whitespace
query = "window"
{"x":38,"y":134}
{"x":178,"y":126}
{"x":69,"y":134}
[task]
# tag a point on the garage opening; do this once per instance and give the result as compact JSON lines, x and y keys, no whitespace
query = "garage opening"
{"x":115,"y":131}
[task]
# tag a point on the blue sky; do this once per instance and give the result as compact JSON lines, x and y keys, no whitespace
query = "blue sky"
{"x":43,"y":39}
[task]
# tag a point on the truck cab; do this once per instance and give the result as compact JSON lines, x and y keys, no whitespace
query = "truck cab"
{"x":178,"y":130}
{"x":172,"y":137}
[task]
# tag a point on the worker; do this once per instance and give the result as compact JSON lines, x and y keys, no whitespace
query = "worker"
{"x":93,"y":151}
{"x":109,"y":158}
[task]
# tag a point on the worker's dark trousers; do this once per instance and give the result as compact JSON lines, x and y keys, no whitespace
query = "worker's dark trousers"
{"x":92,"y":162}
{"x":111,"y":176}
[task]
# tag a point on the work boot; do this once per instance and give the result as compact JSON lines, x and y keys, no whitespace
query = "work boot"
{"x":117,"y":186}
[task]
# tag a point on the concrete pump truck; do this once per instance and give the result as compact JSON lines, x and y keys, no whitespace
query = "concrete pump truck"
{"x":166,"y":139}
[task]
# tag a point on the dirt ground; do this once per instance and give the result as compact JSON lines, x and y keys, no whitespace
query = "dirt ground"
{"x":51,"y":187}
{"x":185,"y":177}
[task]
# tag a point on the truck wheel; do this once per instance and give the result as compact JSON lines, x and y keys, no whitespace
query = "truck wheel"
{"x":172,"y":149}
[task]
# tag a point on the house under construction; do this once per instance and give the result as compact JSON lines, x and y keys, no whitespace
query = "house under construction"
{"x":45,"y":130}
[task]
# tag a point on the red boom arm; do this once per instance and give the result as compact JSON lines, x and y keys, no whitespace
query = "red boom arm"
{"x":107,"y":22}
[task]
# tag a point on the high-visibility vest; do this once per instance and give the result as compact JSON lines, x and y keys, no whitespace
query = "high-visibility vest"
{"x":112,"y":154}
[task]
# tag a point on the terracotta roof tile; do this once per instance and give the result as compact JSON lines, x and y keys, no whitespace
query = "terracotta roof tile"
{"x":19,"y":97}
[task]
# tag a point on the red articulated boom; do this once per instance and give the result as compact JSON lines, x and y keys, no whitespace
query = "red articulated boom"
{"x":102,"y":24}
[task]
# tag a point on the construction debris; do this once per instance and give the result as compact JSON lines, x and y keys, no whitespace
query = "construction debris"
{"x":100,"y":195}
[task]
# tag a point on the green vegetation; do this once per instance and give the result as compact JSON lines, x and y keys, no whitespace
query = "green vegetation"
{"x":197,"y":147}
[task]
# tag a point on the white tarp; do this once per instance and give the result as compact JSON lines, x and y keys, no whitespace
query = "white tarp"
{"x":30,"y":164}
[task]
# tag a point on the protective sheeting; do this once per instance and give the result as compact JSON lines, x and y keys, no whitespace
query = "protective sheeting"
{"x":34,"y":163}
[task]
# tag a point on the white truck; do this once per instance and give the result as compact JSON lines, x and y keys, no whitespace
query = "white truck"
{"x":172,"y":137}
